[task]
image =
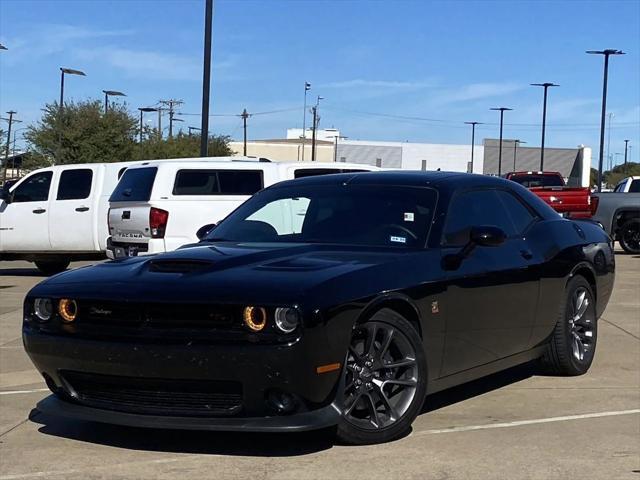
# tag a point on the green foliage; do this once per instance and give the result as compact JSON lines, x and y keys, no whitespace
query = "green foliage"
{"x":619,"y":172}
{"x":83,"y":133}
{"x":180,"y":146}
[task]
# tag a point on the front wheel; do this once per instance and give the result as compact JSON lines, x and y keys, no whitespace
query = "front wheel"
{"x":385,"y":380}
{"x":629,"y":236}
{"x":572,"y":345}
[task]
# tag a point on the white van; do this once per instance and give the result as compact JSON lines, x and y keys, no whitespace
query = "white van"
{"x":159,"y":206}
{"x":58,"y":214}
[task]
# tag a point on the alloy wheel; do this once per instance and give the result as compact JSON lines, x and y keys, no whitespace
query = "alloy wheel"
{"x":581,"y":324}
{"x":381,"y":376}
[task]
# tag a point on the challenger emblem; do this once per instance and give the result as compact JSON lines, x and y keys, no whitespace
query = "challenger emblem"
{"x":99,"y":311}
{"x":434,"y":307}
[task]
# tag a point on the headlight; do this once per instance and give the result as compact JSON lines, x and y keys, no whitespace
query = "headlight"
{"x":287,"y":319}
{"x":255,"y":318}
{"x":68,"y":309}
{"x":43,"y":308}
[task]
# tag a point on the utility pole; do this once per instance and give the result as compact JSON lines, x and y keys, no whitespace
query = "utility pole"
{"x":473,"y":139}
{"x":313,"y":136}
{"x":244,"y":117}
{"x":160,"y":123}
{"x":171,"y":105}
{"x":6,"y":151}
{"x":626,"y":145}
{"x":606,"y":54}
{"x":206,"y":79}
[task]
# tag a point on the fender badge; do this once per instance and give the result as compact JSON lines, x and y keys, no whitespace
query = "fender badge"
{"x":434,"y":307}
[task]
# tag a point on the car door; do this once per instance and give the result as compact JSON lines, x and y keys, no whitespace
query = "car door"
{"x":72,"y":210}
{"x":492,"y":295}
{"x":24,"y":220}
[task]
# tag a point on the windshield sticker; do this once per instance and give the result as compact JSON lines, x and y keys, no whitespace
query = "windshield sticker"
{"x":408,"y":216}
{"x":398,"y":239}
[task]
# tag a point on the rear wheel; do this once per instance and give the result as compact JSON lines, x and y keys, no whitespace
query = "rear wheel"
{"x":629,"y":236}
{"x":51,"y":267}
{"x":573,"y":344}
{"x":385,"y":380}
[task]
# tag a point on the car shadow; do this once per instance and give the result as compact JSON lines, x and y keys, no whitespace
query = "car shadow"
{"x":479,"y":387}
{"x":21,"y":272}
{"x":248,"y":443}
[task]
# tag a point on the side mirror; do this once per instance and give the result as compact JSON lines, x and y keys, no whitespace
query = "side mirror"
{"x":205,"y":230}
{"x":484,"y":236}
{"x":487,"y":236}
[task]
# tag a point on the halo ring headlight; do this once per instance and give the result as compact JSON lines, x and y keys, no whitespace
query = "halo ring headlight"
{"x":68,"y":309}
{"x":255,"y":318}
{"x":287,"y":319}
{"x":43,"y":308}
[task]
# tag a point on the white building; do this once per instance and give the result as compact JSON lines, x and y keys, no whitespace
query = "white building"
{"x":326,"y":134}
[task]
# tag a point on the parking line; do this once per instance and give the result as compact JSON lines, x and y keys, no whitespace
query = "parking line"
{"x":19,"y":392}
{"x":519,"y":423}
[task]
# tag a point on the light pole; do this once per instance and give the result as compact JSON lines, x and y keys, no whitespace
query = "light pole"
{"x":516,"y":144}
{"x":606,"y":54}
{"x":110,"y":93}
{"x":307,"y":87}
{"x":315,"y":127}
{"x":335,"y":148}
{"x":144,"y":110}
{"x":206,"y":79}
{"x":610,"y":115}
{"x":501,"y":110}
{"x":193,"y":128}
{"x":68,"y":71}
{"x":626,"y":145}
{"x":473,"y":139}
{"x":546,"y":86}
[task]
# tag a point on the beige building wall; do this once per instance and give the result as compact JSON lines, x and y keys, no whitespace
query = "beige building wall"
{"x":283,"y":152}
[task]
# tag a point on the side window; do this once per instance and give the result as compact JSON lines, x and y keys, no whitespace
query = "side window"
{"x":218,"y":182}
{"x":520,"y":216}
{"x":620,"y":187}
{"x":75,"y":184}
{"x":121,"y":171}
{"x":635,"y":186}
{"x":33,"y":189}
{"x":286,"y":215}
{"x":475,"y":208}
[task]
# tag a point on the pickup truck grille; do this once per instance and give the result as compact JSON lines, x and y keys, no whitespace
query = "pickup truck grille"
{"x":154,"y":396}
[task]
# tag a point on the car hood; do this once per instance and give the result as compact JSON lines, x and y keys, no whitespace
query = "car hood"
{"x":230,"y":272}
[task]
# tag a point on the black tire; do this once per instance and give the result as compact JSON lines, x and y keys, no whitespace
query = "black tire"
{"x":629,"y":236}
{"x":51,"y":267}
{"x":392,"y":376}
{"x":572,"y":345}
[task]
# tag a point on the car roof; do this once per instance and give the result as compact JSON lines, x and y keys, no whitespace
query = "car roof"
{"x":417,"y":178}
{"x":247,"y":163}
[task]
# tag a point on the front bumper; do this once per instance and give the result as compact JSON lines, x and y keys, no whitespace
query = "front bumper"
{"x":258,"y":369}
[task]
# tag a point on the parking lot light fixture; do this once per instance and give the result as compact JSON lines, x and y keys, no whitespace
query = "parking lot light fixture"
{"x":501,"y":110}
{"x":142,"y":111}
{"x":110,"y":93}
{"x":473,"y":139}
{"x":606,"y":53}
{"x":63,"y":71}
{"x":546,"y":86}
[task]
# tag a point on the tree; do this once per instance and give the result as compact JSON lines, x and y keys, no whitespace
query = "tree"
{"x":83,"y":133}
{"x":617,"y":173}
{"x":180,"y":146}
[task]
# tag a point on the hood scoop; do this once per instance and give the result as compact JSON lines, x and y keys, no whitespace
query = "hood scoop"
{"x":178,"y":265}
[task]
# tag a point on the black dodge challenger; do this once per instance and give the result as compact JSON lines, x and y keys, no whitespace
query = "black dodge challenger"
{"x":340,"y":300}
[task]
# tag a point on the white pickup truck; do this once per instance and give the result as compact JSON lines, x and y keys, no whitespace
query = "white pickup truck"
{"x":58,"y":214}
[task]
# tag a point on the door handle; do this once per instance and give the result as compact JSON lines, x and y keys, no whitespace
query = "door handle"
{"x":82,"y":209}
{"x":526,"y":254}
{"x":39,"y":210}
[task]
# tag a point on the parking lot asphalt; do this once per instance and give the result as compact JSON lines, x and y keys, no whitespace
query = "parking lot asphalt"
{"x":513,"y":425}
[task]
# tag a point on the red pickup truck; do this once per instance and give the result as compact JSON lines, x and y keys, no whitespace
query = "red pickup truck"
{"x":571,"y":202}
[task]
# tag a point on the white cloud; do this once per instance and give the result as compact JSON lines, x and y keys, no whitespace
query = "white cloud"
{"x":477,"y":91}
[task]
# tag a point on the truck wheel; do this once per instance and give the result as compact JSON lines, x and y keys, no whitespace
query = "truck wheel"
{"x":629,"y":235}
{"x":572,"y":344}
{"x":385,"y":380}
{"x":51,"y":267}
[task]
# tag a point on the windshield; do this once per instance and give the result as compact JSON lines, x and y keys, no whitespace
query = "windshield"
{"x":530,"y":181}
{"x":340,"y":214}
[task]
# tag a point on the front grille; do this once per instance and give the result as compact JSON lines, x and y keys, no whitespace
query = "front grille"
{"x":153,"y":396}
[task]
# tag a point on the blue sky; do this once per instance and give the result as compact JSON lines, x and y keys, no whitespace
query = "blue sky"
{"x":438,"y":63}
